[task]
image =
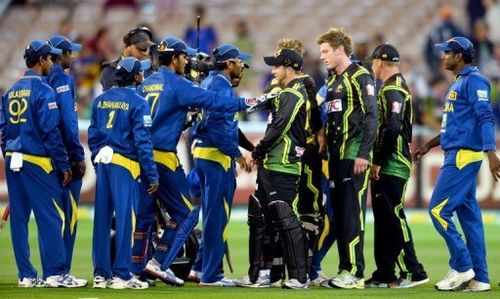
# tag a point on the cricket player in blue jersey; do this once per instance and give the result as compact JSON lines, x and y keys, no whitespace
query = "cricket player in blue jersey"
{"x":467,"y":130}
{"x":170,"y":95}
{"x":64,"y":86}
{"x":215,"y":152}
{"x":35,"y":165}
{"x":120,"y":142}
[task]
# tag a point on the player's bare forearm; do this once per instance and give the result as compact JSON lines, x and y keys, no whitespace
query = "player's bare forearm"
{"x":417,"y":154}
{"x":494,"y":165}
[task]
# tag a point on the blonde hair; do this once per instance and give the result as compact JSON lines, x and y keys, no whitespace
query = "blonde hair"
{"x":294,"y":44}
{"x":336,"y":37}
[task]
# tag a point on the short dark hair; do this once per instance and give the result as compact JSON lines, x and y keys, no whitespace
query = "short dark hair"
{"x":122,"y":81}
{"x":165,"y":58}
{"x":221,"y":65}
{"x":33,"y":61}
{"x":467,"y":58}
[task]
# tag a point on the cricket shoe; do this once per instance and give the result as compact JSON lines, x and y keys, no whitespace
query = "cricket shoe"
{"x":194,"y":276}
{"x":64,"y":281}
{"x":345,"y":280}
{"x":261,"y":282}
{"x":372,"y":283}
{"x":99,"y":282}
{"x":318,"y":280}
{"x":224,"y":282}
{"x":455,"y":281}
{"x":34,"y":282}
{"x":119,"y":284}
{"x":404,"y":283}
{"x":277,"y":284}
{"x":153,"y":268}
{"x":325,"y":284}
{"x":143,"y":277}
{"x":477,"y":286}
{"x":295,"y":284}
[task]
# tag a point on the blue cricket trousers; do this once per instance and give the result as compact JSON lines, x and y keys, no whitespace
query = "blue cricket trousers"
{"x":38,"y":189}
{"x":218,"y":185}
{"x":70,"y":207}
{"x":116,"y":191}
{"x":455,"y":191}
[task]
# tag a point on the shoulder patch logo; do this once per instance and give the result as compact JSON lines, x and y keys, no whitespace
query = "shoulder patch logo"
{"x":299,"y":151}
{"x":370,"y":90}
{"x":452,"y":95}
{"x":63,"y":88}
{"x":396,"y":107}
{"x":482,"y":95}
{"x":148,"y":122}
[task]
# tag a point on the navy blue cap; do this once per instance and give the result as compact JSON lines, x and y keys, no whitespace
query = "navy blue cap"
{"x":174,"y":44}
{"x":132,"y":65}
{"x":458,"y":44}
{"x":285,"y":57}
{"x":63,"y":43}
{"x":38,"y":48}
{"x":228,"y":51}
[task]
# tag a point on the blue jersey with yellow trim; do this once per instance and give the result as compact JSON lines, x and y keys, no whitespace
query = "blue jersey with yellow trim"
{"x":170,"y":97}
{"x":121,"y":120}
{"x":468,"y":121}
{"x":29,"y":120}
{"x":218,"y":128}
{"x":64,"y":87}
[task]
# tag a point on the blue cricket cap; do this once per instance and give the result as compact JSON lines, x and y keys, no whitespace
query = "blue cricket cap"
{"x":174,"y":44}
{"x":38,"y":48}
{"x":63,"y":43}
{"x":457,"y":44}
{"x":132,"y":65}
{"x":228,"y":51}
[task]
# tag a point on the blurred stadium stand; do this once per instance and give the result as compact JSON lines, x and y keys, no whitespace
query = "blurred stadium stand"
{"x":404,"y":23}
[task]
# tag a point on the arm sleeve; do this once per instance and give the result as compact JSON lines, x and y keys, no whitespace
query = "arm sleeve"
{"x":48,"y":116}
{"x":244,"y":142}
{"x":141,"y":122}
{"x":188,"y":94}
{"x":93,"y":131}
{"x":227,"y":143}
{"x":289,"y":107}
{"x":3,"y":124}
{"x":64,"y":87}
{"x":315,"y":115}
{"x":478,"y":92}
{"x":370,"y":115}
{"x":393,"y":121}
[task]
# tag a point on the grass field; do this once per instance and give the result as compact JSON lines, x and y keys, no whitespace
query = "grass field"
{"x":429,"y":245}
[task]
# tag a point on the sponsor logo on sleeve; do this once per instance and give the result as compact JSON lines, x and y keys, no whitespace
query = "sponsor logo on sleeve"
{"x":370,"y":90}
{"x":299,"y":151}
{"x":396,"y":107}
{"x":63,"y":88}
{"x":52,"y":105}
{"x":482,"y":95}
{"x":452,"y":95}
{"x":147,"y":121}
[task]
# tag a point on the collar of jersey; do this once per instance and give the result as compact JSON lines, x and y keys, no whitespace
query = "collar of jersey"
{"x":467,"y":69}
{"x":220,"y":74}
{"x":31,"y":74}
